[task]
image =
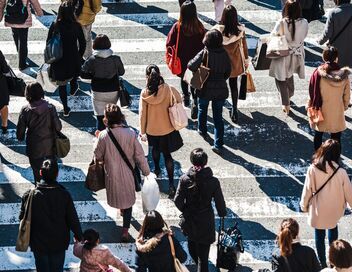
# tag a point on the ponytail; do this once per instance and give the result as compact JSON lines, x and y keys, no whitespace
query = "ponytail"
{"x":91,"y":238}
{"x":288,"y":232}
{"x":154,"y":79}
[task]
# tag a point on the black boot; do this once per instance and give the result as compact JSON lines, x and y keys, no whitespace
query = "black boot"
{"x":234,"y":115}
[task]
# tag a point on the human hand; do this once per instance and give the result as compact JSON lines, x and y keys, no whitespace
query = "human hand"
{"x":96,"y":133}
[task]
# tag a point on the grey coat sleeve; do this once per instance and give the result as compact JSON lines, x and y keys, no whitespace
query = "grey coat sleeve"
{"x":120,"y":67}
{"x":219,"y":200}
{"x":195,"y":63}
{"x":180,"y":195}
{"x":328,"y":30}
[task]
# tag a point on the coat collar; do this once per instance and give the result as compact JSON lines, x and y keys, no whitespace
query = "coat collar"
{"x":148,"y":245}
{"x":336,"y":75}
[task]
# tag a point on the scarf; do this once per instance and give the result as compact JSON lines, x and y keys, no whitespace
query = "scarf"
{"x":314,"y":84}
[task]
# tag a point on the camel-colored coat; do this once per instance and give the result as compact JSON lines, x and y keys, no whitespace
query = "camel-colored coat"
{"x":335,"y":93}
{"x":119,"y":180}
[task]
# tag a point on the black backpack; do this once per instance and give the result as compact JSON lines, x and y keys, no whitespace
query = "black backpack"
{"x":15,"y":12}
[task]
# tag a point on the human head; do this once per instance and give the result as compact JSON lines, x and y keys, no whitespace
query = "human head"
{"x":199,"y":157}
{"x":229,"y":19}
{"x":328,"y":152}
{"x":289,"y":230}
{"x":341,"y":2}
{"x":340,"y":254}
{"x":153,"y":223}
{"x":330,"y":54}
{"x":113,"y":115}
{"x":49,"y":170}
{"x":189,"y":19}
{"x":213,"y":39}
{"x":91,"y":238}
{"x":34,"y":92}
{"x":66,"y":12}
{"x":101,"y":42}
{"x":292,"y":10}
{"x":154,"y":79}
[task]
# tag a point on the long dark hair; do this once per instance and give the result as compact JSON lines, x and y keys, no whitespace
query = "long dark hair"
{"x":292,"y":11}
{"x":189,"y":21}
{"x":65,"y":13}
{"x":154,"y":79}
{"x":229,"y":19}
{"x":289,"y":230}
{"x":91,"y":237}
{"x":153,"y":224}
{"x":329,"y":152}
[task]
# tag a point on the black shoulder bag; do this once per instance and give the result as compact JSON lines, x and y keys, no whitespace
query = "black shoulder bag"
{"x":135,"y":171}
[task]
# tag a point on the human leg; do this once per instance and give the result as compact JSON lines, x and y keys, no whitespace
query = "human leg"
{"x":194,"y":108}
{"x":169,"y":164}
{"x":336,"y":136}
{"x":202,"y":115}
{"x":20,"y":36}
{"x":291,"y":87}
{"x":217,"y":106}
{"x":320,"y":246}
{"x":234,"y":98}
{"x":156,"y":160}
{"x":219,"y":8}
{"x":203,"y":256}
{"x":318,"y":139}
{"x":87,"y":31}
{"x":192,"y":249}
{"x":100,"y":123}
{"x":333,"y":235}
{"x":41,"y":262}
{"x":63,"y":97}
{"x":73,"y":86}
{"x":36,"y":164}
{"x":56,"y":261}
{"x":185,"y":92}
{"x":282,"y":87}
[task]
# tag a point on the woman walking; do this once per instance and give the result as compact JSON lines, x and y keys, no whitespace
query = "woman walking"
{"x":329,"y":92}
{"x":37,"y":123}
{"x":4,"y":94}
{"x":215,"y":88}
{"x":190,"y":43}
{"x":104,"y":68}
{"x":119,"y":179}
{"x":326,"y":191}
{"x":340,"y":257}
{"x":20,"y":29}
{"x":67,"y":69}
{"x":195,"y":193}
{"x":95,"y":257}
{"x":295,"y":29}
{"x":86,"y":12}
{"x":292,"y":253}
{"x":234,"y":41}
{"x":153,"y":246}
{"x":154,"y":121}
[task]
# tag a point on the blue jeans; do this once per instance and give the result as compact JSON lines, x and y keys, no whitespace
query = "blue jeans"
{"x":217,"y":106}
{"x":50,"y":262}
{"x":320,"y":242}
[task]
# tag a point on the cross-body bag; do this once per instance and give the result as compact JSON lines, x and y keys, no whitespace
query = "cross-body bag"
{"x":340,"y":32}
{"x":135,"y":171}
{"x":179,"y":267}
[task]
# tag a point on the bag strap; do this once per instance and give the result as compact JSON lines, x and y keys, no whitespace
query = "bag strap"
{"x":172,"y":97}
{"x":172,"y":247}
{"x":178,"y":37}
{"x":341,"y":31}
{"x":118,"y":147}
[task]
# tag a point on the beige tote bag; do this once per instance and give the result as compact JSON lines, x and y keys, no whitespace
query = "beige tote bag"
{"x":179,"y":267}
{"x":278,"y":45}
{"x":177,"y":113}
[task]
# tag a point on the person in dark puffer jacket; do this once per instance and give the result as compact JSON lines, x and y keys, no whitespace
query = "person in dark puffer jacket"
{"x":104,"y":68}
{"x":37,"y":121}
{"x":196,"y":190}
{"x":53,"y":217}
{"x":215,"y":89}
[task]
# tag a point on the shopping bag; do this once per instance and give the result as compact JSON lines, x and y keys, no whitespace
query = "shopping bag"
{"x":277,"y":47}
{"x":150,"y":193}
{"x":198,"y":78}
{"x":62,"y":145}
{"x":44,"y":80}
{"x":260,"y":61}
{"x":250,"y":83}
{"x":95,"y":179}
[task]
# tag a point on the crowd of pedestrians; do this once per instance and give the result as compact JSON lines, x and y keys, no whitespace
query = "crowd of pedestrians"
{"x":225,"y":49}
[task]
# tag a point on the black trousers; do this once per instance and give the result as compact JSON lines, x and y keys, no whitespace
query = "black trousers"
{"x":20,"y":37}
{"x":63,"y":92}
{"x":200,"y":255}
{"x":126,"y":217}
{"x":318,"y":138}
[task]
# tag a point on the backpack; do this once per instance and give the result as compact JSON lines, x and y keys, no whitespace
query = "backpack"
{"x":16,"y":12}
{"x":53,"y":51}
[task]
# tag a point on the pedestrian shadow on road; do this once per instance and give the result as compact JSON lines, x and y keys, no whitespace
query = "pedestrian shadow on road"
{"x":269,"y":4}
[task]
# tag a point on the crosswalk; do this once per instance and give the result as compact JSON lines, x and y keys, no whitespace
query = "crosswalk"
{"x":261,"y":170}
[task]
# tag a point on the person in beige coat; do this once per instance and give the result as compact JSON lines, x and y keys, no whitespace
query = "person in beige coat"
{"x":234,"y":42}
{"x":20,"y":31}
{"x":329,"y":92}
{"x":155,"y":124}
{"x":119,"y":179}
{"x":295,"y":29}
{"x":327,"y":206}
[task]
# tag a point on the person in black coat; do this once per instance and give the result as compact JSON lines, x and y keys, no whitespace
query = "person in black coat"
{"x":293,"y":256}
{"x":67,"y":69}
{"x":4,"y":93}
{"x":196,"y":190}
{"x":215,"y":88}
{"x":37,"y":121}
{"x":53,"y":217}
{"x":153,"y":246}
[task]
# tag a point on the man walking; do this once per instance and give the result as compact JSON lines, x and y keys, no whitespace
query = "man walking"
{"x":53,"y":217}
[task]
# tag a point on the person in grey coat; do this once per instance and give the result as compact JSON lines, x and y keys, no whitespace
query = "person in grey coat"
{"x":337,"y":19}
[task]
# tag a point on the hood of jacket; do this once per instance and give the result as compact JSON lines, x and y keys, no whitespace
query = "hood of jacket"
{"x":203,"y":174}
{"x":105,"y":53}
{"x":163,"y":93}
{"x":39,"y":107}
{"x":232,"y":38}
{"x":147,"y":245}
{"x":335,"y":77}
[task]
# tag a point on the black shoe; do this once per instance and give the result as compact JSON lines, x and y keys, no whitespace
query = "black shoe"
{"x":172,"y":191}
{"x":67,"y":112}
{"x":203,"y":134}
{"x":217,"y":150}
{"x":4,"y":130}
{"x":194,"y":111}
{"x":234,"y":116}
{"x":186,"y":100}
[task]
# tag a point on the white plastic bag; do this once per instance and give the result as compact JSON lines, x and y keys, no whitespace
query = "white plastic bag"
{"x":44,"y":80}
{"x":150,"y":193}
{"x":144,"y":145}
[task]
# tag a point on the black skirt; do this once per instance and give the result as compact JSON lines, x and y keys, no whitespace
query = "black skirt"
{"x":167,"y":143}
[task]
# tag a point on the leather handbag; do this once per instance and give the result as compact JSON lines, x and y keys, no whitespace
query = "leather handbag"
{"x":177,"y":113}
{"x":250,"y":83}
{"x":260,"y":61}
{"x":315,"y":115}
{"x":95,"y":179}
{"x":24,"y":231}
{"x":15,"y":84}
{"x":135,"y":171}
{"x":277,"y":45}
{"x":198,"y":78}
{"x":179,"y":267}
{"x":172,"y":59}
{"x":62,"y":145}
{"x":124,"y":96}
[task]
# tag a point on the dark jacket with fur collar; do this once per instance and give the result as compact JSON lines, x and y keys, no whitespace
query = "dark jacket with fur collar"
{"x":155,"y":255}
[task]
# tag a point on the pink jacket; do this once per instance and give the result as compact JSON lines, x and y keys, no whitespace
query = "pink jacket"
{"x":28,"y":23}
{"x":328,"y":206}
{"x":100,"y":255}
